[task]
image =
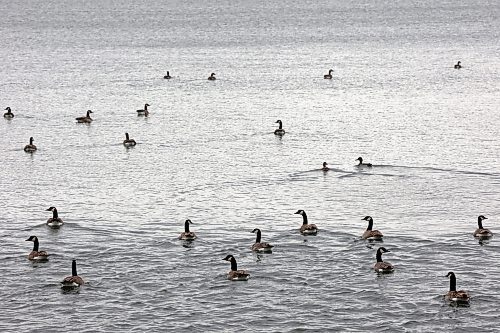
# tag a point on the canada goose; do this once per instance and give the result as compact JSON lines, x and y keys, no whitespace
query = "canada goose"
{"x":458,"y":66}
{"x":128,"y":142}
{"x":187,"y":235}
{"x":306,"y":229}
{"x":167,"y":77}
{"x":361,"y":164}
{"x":369,"y":233}
{"x":73,"y":281}
{"x":212,"y":77}
{"x":55,"y":221}
{"x":86,"y":119}
{"x":325,"y":167}
{"x":144,"y":112}
{"x":260,"y":246}
{"x":35,"y":254}
{"x":480,"y":231}
{"x":234,"y":274}
{"x":460,"y":296}
{"x":31,"y":147}
{"x":8,"y":114}
{"x":280,"y":130}
{"x":329,"y":75}
{"x":382,"y":266}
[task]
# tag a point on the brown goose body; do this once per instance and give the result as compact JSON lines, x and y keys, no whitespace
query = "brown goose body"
{"x":306,"y":228}
{"x":369,"y":233}
{"x":481,"y":232}
{"x":234,"y":274}
{"x":35,"y":254}
{"x":8,"y":114}
{"x":187,"y":235}
{"x":55,"y":221}
{"x":454,"y":295}
{"x":31,"y":148}
{"x":73,"y":281}
{"x":259,"y":246}
{"x":86,"y":119}
{"x":382,"y":266}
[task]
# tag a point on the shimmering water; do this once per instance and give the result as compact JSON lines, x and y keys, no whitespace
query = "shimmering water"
{"x":207,"y":152}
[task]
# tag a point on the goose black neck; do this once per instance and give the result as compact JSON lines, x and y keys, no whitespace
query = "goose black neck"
{"x":379,"y":256}
{"x":186,"y":226}
{"x":126,"y":136}
{"x":370,"y":225}
{"x":280,"y":125}
{"x":88,"y":114}
{"x":168,"y":73}
{"x":145,"y":107}
{"x":234,"y":266}
{"x":257,"y":240}
{"x":73,"y":268}
{"x":31,"y":141}
{"x":304,"y":217}
{"x":54,"y":214}
{"x":479,"y":223}
{"x":453,"y":282}
{"x":35,"y":245}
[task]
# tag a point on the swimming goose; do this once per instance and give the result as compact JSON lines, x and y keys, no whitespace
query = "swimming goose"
{"x":55,"y":221}
{"x":306,"y":229}
{"x":235,"y":274}
{"x":187,"y":235}
{"x":329,"y":75}
{"x":128,"y":142}
{"x":144,"y":112}
{"x":480,"y":231}
{"x":31,"y":147}
{"x":8,"y":114}
{"x":369,"y":233}
{"x":280,"y":130}
{"x":382,"y":266}
{"x":212,"y":77}
{"x":458,"y":66}
{"x":35,"y":254}
{"x":167,"y":77}
{"x":325,"y":167}
{"x":460,"y":296}
{"x":73,"y":281}
{"x":361,"y":164}
{"x":260,"y":246}
{"x":86,"y":119}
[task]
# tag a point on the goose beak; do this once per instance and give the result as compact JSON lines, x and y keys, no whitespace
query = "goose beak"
{"x":27,"y":239}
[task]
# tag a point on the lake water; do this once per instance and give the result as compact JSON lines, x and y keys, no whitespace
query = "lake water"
{"x":207,"y":152}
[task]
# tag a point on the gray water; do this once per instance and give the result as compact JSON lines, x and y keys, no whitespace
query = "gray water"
{"x":207,"y":152}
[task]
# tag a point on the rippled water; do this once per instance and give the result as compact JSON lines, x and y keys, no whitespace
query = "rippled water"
{"x":207,"y":152}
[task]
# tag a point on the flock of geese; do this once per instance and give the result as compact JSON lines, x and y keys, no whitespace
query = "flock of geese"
{"x":380,"y":266}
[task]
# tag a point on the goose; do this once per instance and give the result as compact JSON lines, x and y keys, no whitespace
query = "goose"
{"x":31,"y":148}
{"x":460,"y":296}
{"x":187,"y":235}
{"x":167,"y":77}
{"x":128,"y":142}
{"x":369,"y":233}
{"x":382,"y":266}
{"x":480,"y":231}
{"x":259,"y":246}
{"x":8,"y":114}
{"x":306,"y":229}
{"x":212,"y":77}
{"x":325,"y":167}
{"x":55,"y":221}
{"x":144,"y":112}
{"x":458,"y":66}
{"x":329,"y":75}
{"x":35,"y":254}
{"x":73,"y":281}
{"x":361,"y":164}
{"x":280,"y":130}
{"x":235,"y":274}
{"x":86,"y":119}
